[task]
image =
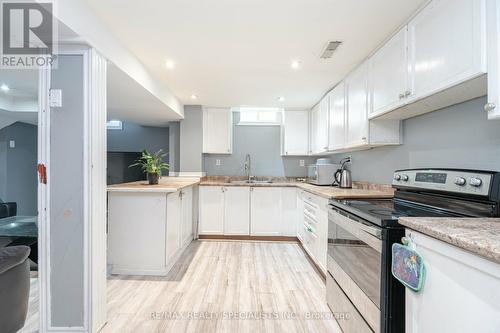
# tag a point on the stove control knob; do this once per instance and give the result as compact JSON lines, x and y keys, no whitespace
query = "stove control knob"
{"x":476,"y":182}
{"x":460,"y":181}
{"x":405,"y":178}
{"x":397,"y":177}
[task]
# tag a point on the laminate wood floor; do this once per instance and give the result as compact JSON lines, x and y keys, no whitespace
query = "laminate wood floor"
{"x":225,"y":287}
{"x":219,"y":286}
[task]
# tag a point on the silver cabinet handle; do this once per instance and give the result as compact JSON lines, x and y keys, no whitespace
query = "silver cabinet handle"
{"x":490,"y":107}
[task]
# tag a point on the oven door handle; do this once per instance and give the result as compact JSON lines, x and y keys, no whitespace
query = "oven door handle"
{"x":370,"y":230}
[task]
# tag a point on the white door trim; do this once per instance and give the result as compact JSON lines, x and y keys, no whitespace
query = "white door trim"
{"x":94,"y":178}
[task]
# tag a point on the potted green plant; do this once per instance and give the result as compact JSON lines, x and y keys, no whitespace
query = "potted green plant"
{"x":152,"y":165}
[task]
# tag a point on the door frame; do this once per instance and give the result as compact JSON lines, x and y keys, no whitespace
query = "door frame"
{"x":94,"y":215}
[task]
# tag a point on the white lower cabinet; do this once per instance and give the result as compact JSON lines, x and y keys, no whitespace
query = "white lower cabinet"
{"x":187,"y":215}
{"x":236,"y":210}
{"x":460,"y":292}
{"x":244,"y":210}
{"x":148,"y":230}
{"x":211,"y":210}
{"x":289,"y":211}
{"x":265,"y":211}
{"x":174,"y":216}
{"x":312,"y":226}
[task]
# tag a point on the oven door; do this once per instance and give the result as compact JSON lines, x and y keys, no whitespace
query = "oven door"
{"x":355,"y":263}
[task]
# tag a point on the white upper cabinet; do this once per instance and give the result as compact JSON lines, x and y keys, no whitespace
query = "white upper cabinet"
{"x":319,"y":126}
{"x":357,"y":106}
{"x":336,"y":137}
{"x":295,"y":133}
{"x":322,"y":134}
{"x":493,"y":105}
{"x":446,"y":46}
{"x":217,"y":131}
{"x":237,"y":210}
{"x":389,"y":75}
{"x":313,"y":126}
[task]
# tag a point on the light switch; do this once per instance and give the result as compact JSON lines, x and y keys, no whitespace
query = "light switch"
{"x":301,"y":163}
{"x":12,"y":144}
{"x":55,"y":98}
{"x":217,"y":162}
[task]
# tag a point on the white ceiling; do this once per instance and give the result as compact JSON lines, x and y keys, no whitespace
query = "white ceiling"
{"x":22,"y":83}
{"x":238,"y":52}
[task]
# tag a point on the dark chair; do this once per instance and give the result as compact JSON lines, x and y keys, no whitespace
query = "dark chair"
{"x":14,"y":287}
{"x":8,"y":209}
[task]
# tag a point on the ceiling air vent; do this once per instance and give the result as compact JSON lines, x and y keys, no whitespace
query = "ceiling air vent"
{"x":330,"y":48}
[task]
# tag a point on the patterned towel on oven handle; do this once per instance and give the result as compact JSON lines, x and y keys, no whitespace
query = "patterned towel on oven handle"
{"x":408,"y":266}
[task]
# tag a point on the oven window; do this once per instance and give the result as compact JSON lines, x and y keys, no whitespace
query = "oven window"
{"x":358,"y":260}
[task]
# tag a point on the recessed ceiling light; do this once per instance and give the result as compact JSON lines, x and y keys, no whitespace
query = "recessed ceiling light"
{"x":169,"y":64}
{"x":4,"y":87}
{"x":295,"y":64}
{"x":194,"y":96}
{"x":281,"y":99}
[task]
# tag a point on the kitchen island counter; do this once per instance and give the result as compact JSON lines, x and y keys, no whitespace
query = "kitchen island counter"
{"x":166,"y":185}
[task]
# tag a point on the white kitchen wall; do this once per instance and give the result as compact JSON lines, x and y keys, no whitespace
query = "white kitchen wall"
{"x":263,"y":144}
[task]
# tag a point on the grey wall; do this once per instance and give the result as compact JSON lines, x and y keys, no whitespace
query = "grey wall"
{"x":191,"y":140}
{"x":135,"y":138}
{"x":263,"y":144}
{"x":66,"y":204}
{"x":18,"y":173}
{"x":459,"y":136}
{"x":174,"y":146}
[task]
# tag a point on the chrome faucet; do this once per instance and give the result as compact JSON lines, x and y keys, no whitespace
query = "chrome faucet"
{"x":248,"y":165}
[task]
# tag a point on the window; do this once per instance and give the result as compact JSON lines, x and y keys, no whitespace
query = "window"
{"x":260,"y":116}
{"x":114,"y":125}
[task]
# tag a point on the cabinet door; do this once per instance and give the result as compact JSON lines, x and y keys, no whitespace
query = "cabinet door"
{"x":446,"y":45}
{"x":265,"y":211}
{"x":236,"y":210}
{"x":336,"y":138}
{"x":289,"y":214}
{"x":296,"y":133}
{"x":493,"y":12}
{"x":187,"y":215}
{"x":357,"y":106}
{"x":389,"y":75}
{"x":211,"y":210}
{"x":174,"y":216}
{"x":322,"y":126}
{"x":217,"y":131}
{"x":313,"y":134}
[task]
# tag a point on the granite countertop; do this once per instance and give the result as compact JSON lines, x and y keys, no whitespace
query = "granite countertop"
{"x":477,"y":235}
{"x":166,"y":185}
{"x":360,"y":189}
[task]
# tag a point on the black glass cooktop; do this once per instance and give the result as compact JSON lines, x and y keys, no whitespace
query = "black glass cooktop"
{"x":385,"y":212}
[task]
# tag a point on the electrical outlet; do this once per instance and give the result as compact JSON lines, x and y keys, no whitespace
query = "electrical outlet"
{"x":217,"y":162}
{"x":12,"y":144}
{"x":302,"y":163}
